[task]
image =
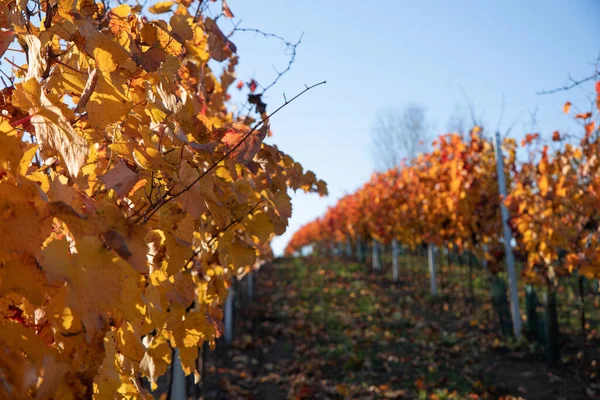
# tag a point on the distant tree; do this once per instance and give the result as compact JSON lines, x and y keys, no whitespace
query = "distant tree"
{"x":400,"y":134}
{"x":458,"y":121}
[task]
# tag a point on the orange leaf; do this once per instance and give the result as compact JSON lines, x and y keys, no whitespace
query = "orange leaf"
{"x":584,"y":115}
{"x":567,"y":107}
{"x":589,"y":128}
{"x":245,"y":145}
{"x":226,"y":10}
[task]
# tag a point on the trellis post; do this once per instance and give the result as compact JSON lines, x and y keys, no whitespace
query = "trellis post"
{"x":348,"y":247}
{"x":394,"y":259}
{"x":359,"y":253}
{"x":375,"y":258}
{"x":510,"y":257}
{"x":432,"y":268}
{"x":229,"y":315}
{"x":251,"y":285}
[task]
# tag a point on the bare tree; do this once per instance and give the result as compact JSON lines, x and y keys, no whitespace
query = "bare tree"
{"x":458,"y":121}
{"x":400,"y":134}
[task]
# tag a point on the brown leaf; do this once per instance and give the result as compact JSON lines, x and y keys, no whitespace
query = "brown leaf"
{"x":201,"y":147}
{"x":6,"y":38}
{"x":152,"y":59}
{"x":130,"y":245}
{"x":117,"y":242}
{"x":120,"y":178}
{"x":219,"y":46}
{"x":90,"y":85}
{"x":191,"y":199}
{"x":60,"y":208}
{"x":217,"y":324}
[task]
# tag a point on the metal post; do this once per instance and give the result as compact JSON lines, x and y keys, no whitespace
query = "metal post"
{"x":394,"y":259}
{"x":510,"y":257}
{"x":484,"y":260}
{"x":229,"y":316}
{"x":250,"y":285}
{"x":375,"y":258}
{"x":432,"y":268}
{"x":178,"y":389}
{"x":348,"y":247}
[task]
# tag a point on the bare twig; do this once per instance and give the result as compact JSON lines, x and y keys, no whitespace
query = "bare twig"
{"x":574,"y":83}
{"x":470,"y":106}
{"x":15,"y":65}
{"x":198,"y":11}
{"x":290,"y":46}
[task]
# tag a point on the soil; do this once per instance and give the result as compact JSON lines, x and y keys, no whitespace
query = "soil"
{"x":319,"y":329}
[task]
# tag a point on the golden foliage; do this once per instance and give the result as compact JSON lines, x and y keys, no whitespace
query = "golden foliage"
{"x":120,"y":228}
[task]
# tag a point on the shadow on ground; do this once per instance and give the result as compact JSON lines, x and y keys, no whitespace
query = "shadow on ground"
{"x":330,"y":329}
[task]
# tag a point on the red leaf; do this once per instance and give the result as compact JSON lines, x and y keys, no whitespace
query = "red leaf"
{"x":252,"y":85}
{"x":247,"y":147}
{"x":556,"y":136}
{"x":584,"y":115}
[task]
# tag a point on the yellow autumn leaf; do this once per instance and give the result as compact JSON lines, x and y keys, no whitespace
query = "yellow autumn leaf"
{"x":543,"y":185}
{"x":84,"y":273}
{"x":128,"y":342}
{"x":260,"y":227}
{"x":161,"y":7}
{"x":121,"y":11}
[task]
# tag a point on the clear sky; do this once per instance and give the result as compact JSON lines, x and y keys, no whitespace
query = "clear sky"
{"x":389,"y":53}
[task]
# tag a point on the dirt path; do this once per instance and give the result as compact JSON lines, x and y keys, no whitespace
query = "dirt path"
{"x":331,"y":330}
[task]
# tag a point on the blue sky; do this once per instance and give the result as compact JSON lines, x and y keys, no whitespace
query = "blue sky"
{"x":391,"y":53}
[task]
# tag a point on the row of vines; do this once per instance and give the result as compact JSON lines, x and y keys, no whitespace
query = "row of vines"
{"x":131,"y":194}
{"x":449,"y":199}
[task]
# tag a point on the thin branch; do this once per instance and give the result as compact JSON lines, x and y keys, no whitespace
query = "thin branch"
{"x":198,"y":11}
{"x":62,"y":53}
{"x":469,"y":106}
{"x":69,"y":67}
{"x":289,"y":46}
{"x":258,"y":31}
{"x":574,"y":83}
{"x":15,"y":65}
{"x":246,"y":136}
{"x":165,"y":198}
